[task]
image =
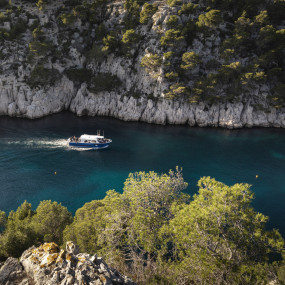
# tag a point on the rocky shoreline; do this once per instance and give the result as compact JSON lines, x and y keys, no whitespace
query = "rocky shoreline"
{"x":18,"y":100}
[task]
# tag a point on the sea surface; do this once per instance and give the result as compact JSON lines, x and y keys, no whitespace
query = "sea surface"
{"x":36,"y":164}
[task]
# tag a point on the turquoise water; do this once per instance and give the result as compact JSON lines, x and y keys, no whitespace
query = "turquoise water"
{"x":32,"y":151}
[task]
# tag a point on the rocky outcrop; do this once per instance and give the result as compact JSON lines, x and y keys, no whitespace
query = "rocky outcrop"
{"x":50,"y":265}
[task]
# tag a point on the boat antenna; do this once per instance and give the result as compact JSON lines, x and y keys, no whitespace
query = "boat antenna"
{"x":103,"y":133}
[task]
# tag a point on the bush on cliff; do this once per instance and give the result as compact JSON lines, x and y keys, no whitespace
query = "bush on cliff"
{"x":147,"y":12}
{"x":41,"y":76}
{"x":79,"y":75}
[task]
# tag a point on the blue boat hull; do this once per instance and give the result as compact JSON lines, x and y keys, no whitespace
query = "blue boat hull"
{"x":88,"y":145}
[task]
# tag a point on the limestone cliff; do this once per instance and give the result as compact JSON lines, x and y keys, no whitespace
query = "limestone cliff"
{"x":56,"y":64}
{"x":50,"y":265}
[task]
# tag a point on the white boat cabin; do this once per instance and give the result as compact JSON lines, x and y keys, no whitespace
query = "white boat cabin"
{"x":90,"y":138}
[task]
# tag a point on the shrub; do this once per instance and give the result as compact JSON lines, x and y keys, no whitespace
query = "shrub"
{"x":79,"y":75}
{"x":262,"y":18}
{"x":130,"y":37}
{"x":230,"y":72}
{"x":68,"y":18}
{"x":151,"y":62}
{"x":172,"y":37}
{"x":190,"y":60}
{"x":267,"y":36}
{"x":41,"y":76}
{"x":176,"y":90}
{"x":40,"y":48}
{"x":111,"y":43}
{"x":167,"y":58}
{"x":132,"y":18}
{"x":188,"y":9}
{"x":171,"y":76}
{"x":95,"y":53}
{"x":168,"y":55}
{"x":105,"y":82}
{"x":3,"y":3}
{"x":173,"y":3}
{"x":253,"y":76}
{"x":210,"y":19}
{"x":147,"y":12}
{"x":38,"y":33}
{"x":277,"y":99}
{"x":172,"y":22}
{"x":189,"y":31}
{"x":100,"y":32}
{"x":50,"y":220}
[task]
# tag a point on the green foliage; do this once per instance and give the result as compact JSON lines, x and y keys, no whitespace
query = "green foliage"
{"x":104,"y":82}
{"x":278,"y":96}
{"x":41,"y":76}
{"x":17,"y":29}
{"x":189,"y":31}
{"x":84,"y":230}
{"x":40,"y":48}
{"x":253,"y":76}
{"x":132,"y":17}
{"x":130,"y":37}
{"x":3,"y":3}
{"x":68,"y":18}
{"x":168,"y":55}
{"x":173,"y":3}
{"x":171,"y":38}
{"x":262,"y":18}
{"x":156,"y":234}
{"x":50,"y":220}
{"x":176,"y":90}
{"x":3,"y":221}
{"x":129,"y":41}
{"x":26,"y":227}
{"x":230,"y":71}
{"x":172,"y":22}
{"x":267,"y":36}
{"x":147,"y":12}
{"x":125,"y":227}
{"x":38,"y":33}
{"x":218,"y":238}
{"x":210,"y":19}
{"x":101,"y":32}
{"x":79,"y":75}
{"x":18,"y":234}
{"x":151,"y":62}
{"x":188,"y":9}
{"x":111,"y":43}
{"x":171,"y":76}
{"x":190,"y":60}
{"x":95,"y":53}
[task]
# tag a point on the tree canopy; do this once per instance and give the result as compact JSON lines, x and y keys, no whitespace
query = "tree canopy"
{"x":157,"y":234}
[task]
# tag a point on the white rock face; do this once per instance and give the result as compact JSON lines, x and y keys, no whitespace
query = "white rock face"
{"x":17,"y":99}
{"x":165,"y":111}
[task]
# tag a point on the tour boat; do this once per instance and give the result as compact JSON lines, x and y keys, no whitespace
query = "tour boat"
{"x":89,"y":141}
